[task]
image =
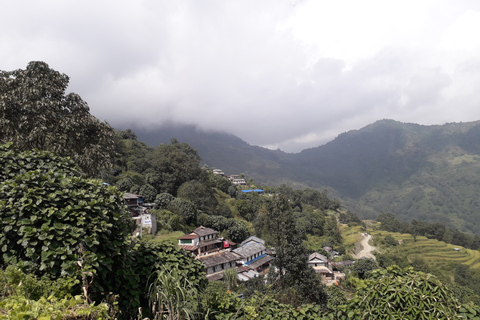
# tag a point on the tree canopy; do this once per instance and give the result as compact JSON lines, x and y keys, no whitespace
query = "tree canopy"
{"x":35,"y":112}
{"x":51,"y":217}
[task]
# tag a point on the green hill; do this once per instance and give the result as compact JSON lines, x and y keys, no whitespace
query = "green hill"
{"x":429,"y":173}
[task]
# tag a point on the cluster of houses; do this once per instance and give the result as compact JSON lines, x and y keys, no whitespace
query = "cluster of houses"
{"x":250,"y":258}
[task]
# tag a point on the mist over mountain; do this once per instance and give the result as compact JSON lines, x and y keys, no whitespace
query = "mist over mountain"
{"x":420,"y":172}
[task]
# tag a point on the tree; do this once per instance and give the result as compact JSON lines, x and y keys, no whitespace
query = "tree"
{"x":294,"y":274}
{"x":201,"y":195}
{"x":230,"y":277}
{"x":148,"y":192}
{"x":175,"y":164}
{"x":35,"y":112}
{"x":238,"y":231}
{"x":364,"y":266}
{"x":390,"y":240}
{"x":402,"y":294}
{"x":52,"y":218}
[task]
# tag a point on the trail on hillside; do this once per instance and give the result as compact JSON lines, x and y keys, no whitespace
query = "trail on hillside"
{"x":367,"y":249}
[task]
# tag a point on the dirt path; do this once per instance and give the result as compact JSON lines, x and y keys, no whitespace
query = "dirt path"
{"x":367,"y":249}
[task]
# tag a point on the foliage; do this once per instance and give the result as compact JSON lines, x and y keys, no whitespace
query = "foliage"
{"x":145,"y":258}
{"x":148,"y":192}
{"x":294,"y":275}
{"x":35,"y":112}
{"x":25,"y":296}
{"x":200,"y":194}
{"x":236,"y":229}
{"x":260,"y":306}
{"x":390,"y":240}
{"x":336,"y":297}
{"x":174,"y":164}
{"x":430,"y":230}
{"x":364,"y":266}
{"x":51,"y":218}
{"x":350,"y":217}
{"x":172,"y":296}
{"x":401,"y":294}
{"x":230,"y":277}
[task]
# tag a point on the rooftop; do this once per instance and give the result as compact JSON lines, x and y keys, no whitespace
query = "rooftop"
{"x":253,"y":239}
{"x":249,"y":249}
{"x":202,"y":231}
{"x":317,"y":256}
{"x":189,"y":236}
{"x":260,"y":261}
{"x":218,"y":258}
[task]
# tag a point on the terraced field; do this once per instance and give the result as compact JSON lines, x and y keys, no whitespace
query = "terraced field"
{"x":435,"y":253}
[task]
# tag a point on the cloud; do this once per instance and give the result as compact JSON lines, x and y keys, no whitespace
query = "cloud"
{"x":286,"y":74}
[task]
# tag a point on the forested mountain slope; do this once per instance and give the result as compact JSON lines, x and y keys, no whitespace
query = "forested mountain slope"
{"x":430,"y":173}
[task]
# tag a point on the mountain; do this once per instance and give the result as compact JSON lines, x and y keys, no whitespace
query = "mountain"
{"x":429,"y":173}
{"x":228,"y":152}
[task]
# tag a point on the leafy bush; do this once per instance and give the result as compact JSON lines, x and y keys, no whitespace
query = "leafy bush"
{"x":51,"y":218}
{"x":24,"y":296}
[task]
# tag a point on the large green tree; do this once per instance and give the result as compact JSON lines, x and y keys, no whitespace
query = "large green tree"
{"x":52,"y":218}
{"x":35,"y":112}
{"x":402,"y":294}
{"x":173,"y":164}
{"x":294,"y":277}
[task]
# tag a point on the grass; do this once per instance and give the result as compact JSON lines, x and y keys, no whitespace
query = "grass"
{"x":166,"y":236}
{"x":438,"y":255}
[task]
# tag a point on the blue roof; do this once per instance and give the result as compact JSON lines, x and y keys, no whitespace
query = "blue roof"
{"x":254,"y":190}
{"x":257,"y":258}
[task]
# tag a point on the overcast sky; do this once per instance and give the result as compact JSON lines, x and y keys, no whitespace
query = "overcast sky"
{"x":280,"y":74}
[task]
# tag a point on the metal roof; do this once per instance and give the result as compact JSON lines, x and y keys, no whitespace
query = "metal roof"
{"x":253,"y":239}
{"x":260,"y":261}
{"x":202,"y":231}
{"x":189,"y":236}
{"x":218,"y":258}
{"x":318,"y":256}
{"x":249,"y":249}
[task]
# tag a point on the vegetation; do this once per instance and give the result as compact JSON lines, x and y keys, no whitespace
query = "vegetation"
{"x":35,"y":112}
{"x":428,"y":173}
{"x":67,"y":250}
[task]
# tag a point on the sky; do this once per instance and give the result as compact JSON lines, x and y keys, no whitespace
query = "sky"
{"x":279,"y":74}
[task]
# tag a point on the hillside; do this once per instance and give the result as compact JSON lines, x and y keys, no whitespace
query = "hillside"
{"x":429,"y":173}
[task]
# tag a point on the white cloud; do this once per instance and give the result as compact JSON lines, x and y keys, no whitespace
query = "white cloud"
{"x":276,"y":73}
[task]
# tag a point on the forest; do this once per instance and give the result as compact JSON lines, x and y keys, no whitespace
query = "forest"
{"x":68,"y":249}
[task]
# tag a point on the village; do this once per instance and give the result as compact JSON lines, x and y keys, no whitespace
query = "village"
{"x":250,"y":258}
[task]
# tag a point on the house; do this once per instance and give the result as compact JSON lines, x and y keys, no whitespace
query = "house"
{"x":133,"y":200}
{"x":245,"y":273}
{"x":202,"y":241}
{"x":219,"y":172}
{"x":215,"y":263}
{"x":321,"y":265}
{"x":237,"y":180}
{"x":252,"y":239}
{"x":253,"y":255}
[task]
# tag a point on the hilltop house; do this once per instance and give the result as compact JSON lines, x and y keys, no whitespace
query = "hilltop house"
{"x":237,"y":180}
